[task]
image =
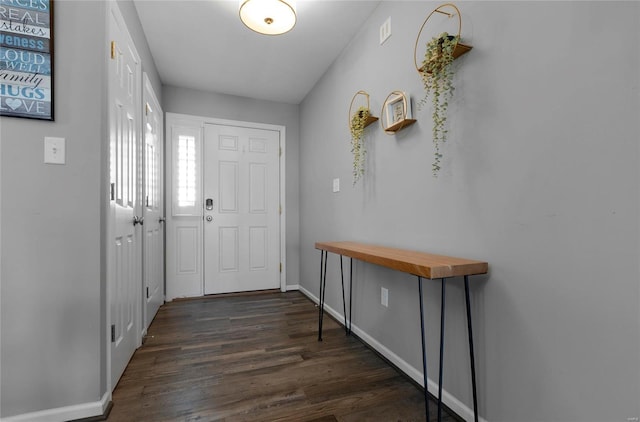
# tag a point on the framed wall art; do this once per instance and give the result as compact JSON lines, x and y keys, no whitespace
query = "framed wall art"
{"x":26,"y":59}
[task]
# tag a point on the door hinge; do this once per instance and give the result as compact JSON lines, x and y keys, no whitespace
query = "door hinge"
{"x":147,"y":293}
{"x":113,"y":50}
{"x":280,"y":210}
{"x":147,"y":108}
{"x":280,"y":152}
{"x":281,"y":267}
{"x":146,"y":201}
{"x":113,"y":191}
{"x":113,"y":333}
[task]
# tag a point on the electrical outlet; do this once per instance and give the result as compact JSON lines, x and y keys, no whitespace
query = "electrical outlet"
{"x":385,"y":30}
{"x":384,"y":297}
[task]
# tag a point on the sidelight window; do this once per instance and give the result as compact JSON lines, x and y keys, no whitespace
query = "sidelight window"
{"x":186,"y":172}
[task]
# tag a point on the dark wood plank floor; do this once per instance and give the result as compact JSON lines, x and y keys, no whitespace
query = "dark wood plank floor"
{"x":256,"y":358}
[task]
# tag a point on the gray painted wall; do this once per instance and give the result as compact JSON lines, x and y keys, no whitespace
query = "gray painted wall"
{"x":540,"y":179}
{"x":50,"y":291}
{"x":53,"y":326}
{"x":208,"y":104}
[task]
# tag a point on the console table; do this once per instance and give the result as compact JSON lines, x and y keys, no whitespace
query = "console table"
{"x":420,"y":264}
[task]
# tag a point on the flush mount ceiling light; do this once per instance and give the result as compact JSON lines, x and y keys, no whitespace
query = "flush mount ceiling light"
{"x":269,"y":17}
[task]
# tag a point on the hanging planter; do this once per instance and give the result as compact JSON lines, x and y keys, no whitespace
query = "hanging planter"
{"x":358,"y":121}
{"x":437,"y":73}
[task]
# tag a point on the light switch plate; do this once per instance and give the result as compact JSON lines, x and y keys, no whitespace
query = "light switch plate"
{"x":336,"y":185}
{"x":54,"y":150}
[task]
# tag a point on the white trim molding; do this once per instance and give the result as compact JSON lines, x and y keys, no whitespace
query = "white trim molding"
{"x":67,"y":413}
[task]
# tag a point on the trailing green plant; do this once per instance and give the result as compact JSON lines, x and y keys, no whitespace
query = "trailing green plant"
{"x":358,"y":123}
{"x":437,"y":78}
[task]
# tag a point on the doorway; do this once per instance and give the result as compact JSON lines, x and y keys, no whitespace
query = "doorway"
{"x":225,"y":220}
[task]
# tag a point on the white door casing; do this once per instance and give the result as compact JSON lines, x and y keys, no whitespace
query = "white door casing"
{"x":241,"y":209}
{"x":124,"y":277}
{"x":153,"y":205}
{"x":185,"y":218}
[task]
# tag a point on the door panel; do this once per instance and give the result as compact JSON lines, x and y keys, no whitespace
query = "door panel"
{"x":124,"y":279}
{"x":228,"y":187}
{"x":258,"y":255}
{"x":188,"y":238}
{"x":229,"y":249}
{"x":153,"y":209}
{"x":241,"y":230}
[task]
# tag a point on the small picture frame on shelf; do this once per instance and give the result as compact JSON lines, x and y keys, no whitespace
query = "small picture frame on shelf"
{"x":398,"y":109}
{"x":396,"y":112}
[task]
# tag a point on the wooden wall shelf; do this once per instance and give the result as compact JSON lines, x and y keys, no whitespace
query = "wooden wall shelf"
{"x":396,"y":127}
{"x":370,"y":120}
{"x":458,"y":51}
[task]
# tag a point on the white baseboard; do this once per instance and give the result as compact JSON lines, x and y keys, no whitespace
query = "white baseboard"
{"x":447,"y":398}
{"x":291,"y":287}
{"x":67,"y":413}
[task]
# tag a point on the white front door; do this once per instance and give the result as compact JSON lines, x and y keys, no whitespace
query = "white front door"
{"x":152,"y":210}
{"x":241,"y":209}
{"x":124,"y":276}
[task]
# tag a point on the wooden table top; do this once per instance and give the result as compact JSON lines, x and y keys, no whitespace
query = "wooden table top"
{"x":413,"y":262}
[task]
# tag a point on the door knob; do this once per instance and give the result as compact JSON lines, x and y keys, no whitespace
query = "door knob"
{"x":161,"y":220}
{"x":138,"y":220}
{"x":209,"y":218}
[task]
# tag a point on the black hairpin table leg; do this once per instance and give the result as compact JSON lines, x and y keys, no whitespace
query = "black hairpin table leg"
{"x":471,"y":355}
{"x":350,"y":293}
{"x":424,"y":351}
{"x":344,"y":302}
{"x":442,"y":301}
{"x":323,"y":286}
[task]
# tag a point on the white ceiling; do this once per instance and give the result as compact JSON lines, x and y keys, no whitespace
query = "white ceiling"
{"x":202,"y":44}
